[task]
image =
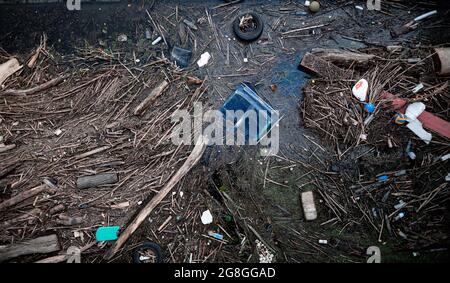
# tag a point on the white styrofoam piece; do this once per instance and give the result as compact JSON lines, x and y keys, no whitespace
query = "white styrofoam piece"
{"x":206,"y":217}
{"x":414,"y":110}
{"x":416,"y":127}
{"x":309,"y":208}
{"x":204,"y":59}
{"x":360,"y":90}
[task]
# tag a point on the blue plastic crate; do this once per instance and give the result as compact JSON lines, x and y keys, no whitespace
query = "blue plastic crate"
{"x":245,"y":98}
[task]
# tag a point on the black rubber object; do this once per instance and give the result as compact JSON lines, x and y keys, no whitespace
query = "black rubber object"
{"x":148,"y":246}
{"x":250,"y":35}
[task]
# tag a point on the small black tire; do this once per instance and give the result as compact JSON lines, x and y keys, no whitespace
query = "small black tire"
{"x":251,"y":35}
{"x":148,"y":246}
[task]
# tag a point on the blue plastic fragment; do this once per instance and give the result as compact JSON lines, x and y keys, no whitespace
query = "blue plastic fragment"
{"x":109,"y":233}
{"x":383,"y":178}
{"x":215,"y":235}
{"x":370,"y":107}
{"x":181,"y":56}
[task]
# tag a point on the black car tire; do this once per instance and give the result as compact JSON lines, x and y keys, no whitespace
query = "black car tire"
{"x":148,"y":246}
{"x":251,"y":35}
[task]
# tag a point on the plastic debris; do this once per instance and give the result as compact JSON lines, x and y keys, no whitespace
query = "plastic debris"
{"x":417,"y":128}
{"x":156,"y":41}
{"x":148,"y":34}
{"x":301,"y":13}
{"x":109,"y":233}
{"x":409,"y":151}
{"x":181,"y":56}
{"x":403,"y":235}
{"x":122,"y":38}
{"x":323,"y":242}
{"x":426,"y":15}
{"x":227,"y":218}
{"x":399,"y":216}
{"x":447,"y":178}
{"x":370,"y":107}
{"x":374,"y":212}
{"x":245,"y":98}
{"x":215,"y":235}
{"x":309,"y":208}
{"x":204,"y":59}
{"x":190,"y":24}
{"x":418,"y":88}
{"x":58,"y":132}
{"x":414,"y":110}
{"x":401,"y":204}
{"x":360,"y":89}
{"x":400,"y":173}
{"x":400,"y":118}
{"x":265,"y":256}
{"x":207,"y":217}
{"x":383,"y":178}
{"x":443,"y":58}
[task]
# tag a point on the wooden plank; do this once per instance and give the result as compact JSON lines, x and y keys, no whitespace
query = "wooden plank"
{"x":154,"y":94}
{"x":41,"y":245}
{"x":190,"y":162}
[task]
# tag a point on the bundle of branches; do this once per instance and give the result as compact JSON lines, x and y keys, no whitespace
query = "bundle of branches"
{"x":89,"y":147}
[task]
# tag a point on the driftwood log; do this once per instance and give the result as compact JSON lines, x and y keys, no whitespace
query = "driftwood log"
{"x":154,"y":94}
{"x":35,"y":89}
{"x":23,"y":196}
{"x":323,"y":68}
{"x":56,"y":209}
{"x":190,"y":162}
{"x":8,"y":68}
{"x":86,"y":182}
{"x":41,"y":245}
{"x":8,"y":169}
{"x":69,"y":221}
{"x":64,"y":257}
{"x":342,"y":56}
{"x":5,"y":148}
{"x":31,"y":216}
